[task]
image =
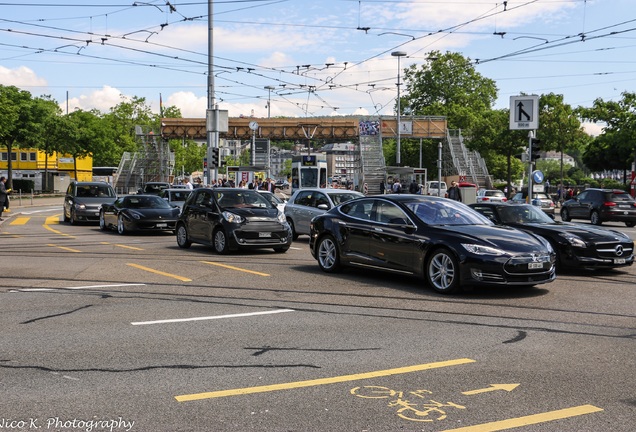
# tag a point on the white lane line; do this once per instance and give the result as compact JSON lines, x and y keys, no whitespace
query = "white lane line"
{"x":76,"y":288}
{"x":212,"y":317}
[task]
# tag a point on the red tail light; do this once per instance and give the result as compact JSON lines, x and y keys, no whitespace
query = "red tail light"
{"x":504,"y":199}
{"x":609,"y":204}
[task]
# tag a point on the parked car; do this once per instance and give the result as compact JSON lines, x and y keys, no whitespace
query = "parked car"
{"x":230,"y":219}
{"x":433,"y":188}
{"x":84,"y":199}
{"x":490,"y":195}
{"x":274,"y":199}
{"x":539,"y":199}
{"x":444,"y":241}
{"x":154,"y":188}
{"x":138,"y":213}
{"x":576,"y":245}
{"x":175,"y":196}
{"x":304,"y":204}
{"x":601,"y":205}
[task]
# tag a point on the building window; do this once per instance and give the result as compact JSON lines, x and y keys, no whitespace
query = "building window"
{"x":24,"y":156}
{"x":33,"y":156}
{"x":14,"y":156}
{"x":3,"y":156}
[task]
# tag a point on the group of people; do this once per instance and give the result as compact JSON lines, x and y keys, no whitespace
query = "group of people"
{"x":266,"y":184}
{"x":454,"y":192}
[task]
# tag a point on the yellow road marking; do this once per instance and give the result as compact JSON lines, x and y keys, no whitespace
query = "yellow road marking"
{"x":529,"y":420}
{"x":63,"y":247}
{"x":493,"y":387}
{"x":55,"y":220}
{"x":321,"y":381}
{"x":235,"y":268}
{"x":20,"y":221}
{"x":123,"y":246}
{"x":181,"y":278}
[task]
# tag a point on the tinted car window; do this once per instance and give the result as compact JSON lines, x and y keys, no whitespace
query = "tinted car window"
{"x":304,"y":198}
{"x":358,"y":209}
{"x":340,"y":197}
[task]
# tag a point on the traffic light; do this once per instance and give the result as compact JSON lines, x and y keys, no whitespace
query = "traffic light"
{"x":214,"y":162}
{"x":535,"y":149}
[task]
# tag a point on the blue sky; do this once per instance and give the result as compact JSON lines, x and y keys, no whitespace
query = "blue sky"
{"x":325,"y":57}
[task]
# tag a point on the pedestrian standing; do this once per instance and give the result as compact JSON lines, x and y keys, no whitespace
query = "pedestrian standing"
{"x":4,"y":195}
{"x":454,"y":193}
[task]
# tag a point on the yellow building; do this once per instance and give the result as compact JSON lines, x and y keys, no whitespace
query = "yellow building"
{"x":31,"y":163}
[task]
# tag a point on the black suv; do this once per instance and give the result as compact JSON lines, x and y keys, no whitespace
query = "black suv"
{"x":601,"y":205}
{"x":84,"y":199}
{"x":231,"y":219}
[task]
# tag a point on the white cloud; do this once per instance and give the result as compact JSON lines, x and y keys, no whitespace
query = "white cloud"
{"x":22,"y":77}
{"x":103,"y":100}
{"x":593,"y":129}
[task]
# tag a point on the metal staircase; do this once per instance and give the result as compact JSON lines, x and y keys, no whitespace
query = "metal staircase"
{"x":373,"y":164}
{"x":458,"y":160}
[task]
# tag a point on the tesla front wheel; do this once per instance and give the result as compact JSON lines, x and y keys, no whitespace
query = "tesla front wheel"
{"x":328,"y":255}
{"x":443,"y":271}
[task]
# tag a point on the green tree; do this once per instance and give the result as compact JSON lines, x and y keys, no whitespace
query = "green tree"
{"x":616,"y":147}
{"x":85,"y":135}
{"x":18,"y":121}
{"x":448,"y":85}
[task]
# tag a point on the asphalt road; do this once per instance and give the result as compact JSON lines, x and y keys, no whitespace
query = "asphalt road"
{"x":109,"y":332}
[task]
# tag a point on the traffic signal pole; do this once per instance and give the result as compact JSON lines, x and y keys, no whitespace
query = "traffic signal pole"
{"x":530,"y":166}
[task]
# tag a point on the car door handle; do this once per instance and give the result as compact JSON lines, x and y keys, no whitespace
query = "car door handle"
{"x":378,"y":229}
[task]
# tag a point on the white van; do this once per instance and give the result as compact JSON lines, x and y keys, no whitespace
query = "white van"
{"x":433,"y":188}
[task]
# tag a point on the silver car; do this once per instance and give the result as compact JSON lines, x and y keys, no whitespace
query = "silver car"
{"x":491,"y":195}
{"x":84,"y":199}
{"x":175,"y":196}
{"x":304,"y":204}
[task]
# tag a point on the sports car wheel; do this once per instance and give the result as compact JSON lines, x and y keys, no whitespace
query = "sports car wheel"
{"x":182,"y":237}
{"x":102,"y":222}
{"x":595,"y":218}
{"x":565,"y":215}
{"x":443,"y":271}
{"x":328,"y":255}
{"x":220,"y":242}
{"x":121,"y":228}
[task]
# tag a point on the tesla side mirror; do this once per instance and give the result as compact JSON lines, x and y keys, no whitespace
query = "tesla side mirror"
{"x":323,"y":207}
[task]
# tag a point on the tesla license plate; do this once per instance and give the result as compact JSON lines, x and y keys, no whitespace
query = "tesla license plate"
{"x":532,"y":266}
{"x":264,"y":234}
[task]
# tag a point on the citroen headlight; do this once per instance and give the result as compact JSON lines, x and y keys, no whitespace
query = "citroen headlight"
{"x":233,"y":218}
{"x":574,"y":240}
{"x":281,"y":217}
{"x":482,"y":250}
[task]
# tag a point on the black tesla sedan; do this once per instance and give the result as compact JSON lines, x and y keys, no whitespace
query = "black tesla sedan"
{"x":230,"y":219}
{"x":138,"y":213}
{"x":442,"y":240}
{"x":576,"y":245}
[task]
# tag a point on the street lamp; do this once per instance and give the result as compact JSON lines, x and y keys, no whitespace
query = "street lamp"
{"x":269,"y":89}
{"x":398,"y":54}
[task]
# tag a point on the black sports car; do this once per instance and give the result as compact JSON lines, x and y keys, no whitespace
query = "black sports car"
{"x":576,"y":245}
{"x":442,"y":240}
{"x":231,"y":219}
{"x":138,"y":213}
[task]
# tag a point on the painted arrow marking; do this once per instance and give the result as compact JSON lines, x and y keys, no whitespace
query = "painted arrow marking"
{"x":493,"y":387}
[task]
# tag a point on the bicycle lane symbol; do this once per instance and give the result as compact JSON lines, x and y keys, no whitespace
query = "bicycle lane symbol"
{"x":416,"y":406}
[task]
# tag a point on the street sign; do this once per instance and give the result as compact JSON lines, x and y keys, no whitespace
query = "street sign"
{"x":524,"y":112}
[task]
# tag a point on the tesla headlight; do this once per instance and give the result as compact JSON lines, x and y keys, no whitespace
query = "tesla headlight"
{"x":574,"y":240}
{"x":482,"y":250}
{"x":281,"y":217}
{"x":233,"y":218}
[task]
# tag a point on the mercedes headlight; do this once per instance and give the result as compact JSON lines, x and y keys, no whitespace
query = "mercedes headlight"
{"x":573,"y":240}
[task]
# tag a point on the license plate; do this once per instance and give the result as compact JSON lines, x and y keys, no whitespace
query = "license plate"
{"x":619,"y":260}
{"x":264,"y":234}
{"x":162,"y":225}
{"x":532,"y":266}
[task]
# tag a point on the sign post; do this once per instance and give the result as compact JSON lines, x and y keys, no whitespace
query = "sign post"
{"x":524,"y":115}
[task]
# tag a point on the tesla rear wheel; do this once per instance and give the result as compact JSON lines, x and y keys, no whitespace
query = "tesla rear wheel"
{"x":443,"y":271}
{"x":220,"y":242}
{"x":565,"y":215}
{"x":121,"y":227}
{"x":629,"y":224}
{"x":182,"y":237}
{"x":595,"y":218}
{"x":328,"y":255}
